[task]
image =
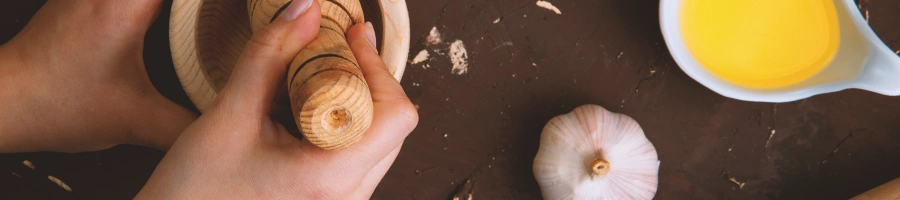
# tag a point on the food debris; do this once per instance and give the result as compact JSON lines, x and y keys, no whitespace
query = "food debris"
{"x":469,"y":198}
{"x":739,"y":184}
{"x":459,"y":57}
{"x":416,"y":84}
{"x":465,"y":191}
{"x":421,"y":57}
{"x":770,"y":137}
{"x":434,"y":37}
{"x":496,"y":21}
{"x":60,"y":183}
{"x":28,"y":163}
{"x":507,"y":43}
{"x":548,"y":6}
{"x":867,"y":16}
{"x":445,"y":135}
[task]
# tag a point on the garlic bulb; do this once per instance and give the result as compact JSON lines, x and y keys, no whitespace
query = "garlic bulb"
{"x":592,"y":153}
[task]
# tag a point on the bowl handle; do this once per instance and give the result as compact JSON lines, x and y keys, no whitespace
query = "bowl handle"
{"x":881,"y":73}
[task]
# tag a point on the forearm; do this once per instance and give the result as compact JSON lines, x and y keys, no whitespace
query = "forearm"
{"x":12,"y":124}
{"x":21,"y":132}
{"x":31,"y":119}
{"x":30,"y":123}
{"x":12,"y":120}
{"x":74,"y":80}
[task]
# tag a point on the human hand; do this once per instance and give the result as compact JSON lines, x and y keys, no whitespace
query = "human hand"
{"x":236,"y":151}
{"x":74,"y":80}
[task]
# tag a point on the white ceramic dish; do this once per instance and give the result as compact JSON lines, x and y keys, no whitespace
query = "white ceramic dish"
{"x":863,"y":61}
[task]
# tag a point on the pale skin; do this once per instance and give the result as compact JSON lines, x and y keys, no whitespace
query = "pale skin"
{"x":73,"y":80}
{"x":233,"y":151}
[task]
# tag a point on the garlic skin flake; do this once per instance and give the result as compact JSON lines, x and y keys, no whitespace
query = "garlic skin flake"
{"x":592,"y":153}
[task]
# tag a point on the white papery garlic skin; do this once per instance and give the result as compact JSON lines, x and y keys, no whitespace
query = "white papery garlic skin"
{"x":592,"y":153}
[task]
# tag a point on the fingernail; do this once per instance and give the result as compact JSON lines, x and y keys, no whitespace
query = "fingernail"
{"x":370,"y":35}
{"x":296,"y":8}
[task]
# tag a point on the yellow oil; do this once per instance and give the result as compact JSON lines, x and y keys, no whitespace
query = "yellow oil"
{"x":761,"y":43}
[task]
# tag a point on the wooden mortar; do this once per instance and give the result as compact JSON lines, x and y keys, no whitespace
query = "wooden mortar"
{"x":328,"y":97}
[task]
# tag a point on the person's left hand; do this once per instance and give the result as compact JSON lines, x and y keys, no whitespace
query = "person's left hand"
{"x":74,"y":80}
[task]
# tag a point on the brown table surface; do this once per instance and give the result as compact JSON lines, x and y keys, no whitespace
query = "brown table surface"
{"x":534,"y":65}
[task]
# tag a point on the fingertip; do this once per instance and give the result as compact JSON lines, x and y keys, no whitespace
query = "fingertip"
{"x":370,"y":35}
{"x":306,"y":26}
{"x":295,"y":8}
{"x":370,"y":62}
{"x":363,"y":32}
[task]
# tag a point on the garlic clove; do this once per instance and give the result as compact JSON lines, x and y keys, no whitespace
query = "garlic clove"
{"x":573,"y":146}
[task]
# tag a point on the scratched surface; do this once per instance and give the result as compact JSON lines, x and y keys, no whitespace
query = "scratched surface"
{"x":483,"y":125}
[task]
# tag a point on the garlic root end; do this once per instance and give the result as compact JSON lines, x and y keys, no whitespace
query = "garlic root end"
{"x":600,"y":167}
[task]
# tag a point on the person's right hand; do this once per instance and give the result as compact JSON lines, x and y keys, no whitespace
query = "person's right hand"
{"x":236,"y":151}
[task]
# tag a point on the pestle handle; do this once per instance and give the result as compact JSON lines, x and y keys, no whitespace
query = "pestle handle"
{"x":329,"y":97}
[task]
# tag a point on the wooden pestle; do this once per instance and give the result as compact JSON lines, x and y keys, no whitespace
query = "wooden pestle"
{"x":330,"y":99}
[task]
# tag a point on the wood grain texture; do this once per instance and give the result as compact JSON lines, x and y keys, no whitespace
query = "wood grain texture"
{"x":206,"y":38}
{"x":395,"y":36}
{"x":330,"y":99}
{"x":260,"y":19}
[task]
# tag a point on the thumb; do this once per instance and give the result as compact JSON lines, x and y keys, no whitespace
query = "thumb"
{"x":260,"y":69}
